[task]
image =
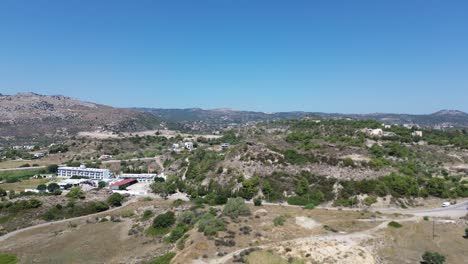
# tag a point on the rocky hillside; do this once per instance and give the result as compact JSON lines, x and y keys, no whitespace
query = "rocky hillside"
{"x":29,"y":114}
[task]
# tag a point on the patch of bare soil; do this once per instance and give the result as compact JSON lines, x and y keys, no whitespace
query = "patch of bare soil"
{"x":408,"y":244}
{"x":90,"y":239}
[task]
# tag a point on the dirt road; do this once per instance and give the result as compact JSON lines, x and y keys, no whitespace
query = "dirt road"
{"x":14,"y":233}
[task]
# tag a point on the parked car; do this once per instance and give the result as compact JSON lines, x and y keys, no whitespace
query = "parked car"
{"x":446,"y":204}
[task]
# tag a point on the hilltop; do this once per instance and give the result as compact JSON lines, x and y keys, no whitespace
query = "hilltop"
{"x":30,"y":114}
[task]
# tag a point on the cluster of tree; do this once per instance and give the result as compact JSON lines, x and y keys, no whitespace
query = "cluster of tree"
{"x":403,"y":186}
{"x":72,"y":209}
{"x":201,"y":162}
{"x":59,"y":148}
{"x":17,"y":206}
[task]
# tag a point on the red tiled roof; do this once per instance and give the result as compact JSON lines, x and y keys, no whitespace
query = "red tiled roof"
{"x":120,"y":183}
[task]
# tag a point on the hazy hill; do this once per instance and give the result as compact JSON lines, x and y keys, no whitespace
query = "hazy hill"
{"x":29,"y":114}
{"x":199,"y":119}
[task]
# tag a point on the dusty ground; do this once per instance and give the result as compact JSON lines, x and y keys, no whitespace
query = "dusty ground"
{"x":89,"y":241}
{"x":351,"y":237}
{"x":407,"y":244}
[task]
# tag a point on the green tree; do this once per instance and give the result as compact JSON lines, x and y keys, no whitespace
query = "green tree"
{"x":101,"y":184}
{"x":76,"y":193}
{"x":115,"y":199}
{"x":3,"y":193}
{"x":164,"y":220}
{"x":433,"y":258}
{"x":236,"y":207}
{"x":41,"y":187}
{"x":302,"y":187}
{"x":53,"y":187}
{"x":53,"y":168}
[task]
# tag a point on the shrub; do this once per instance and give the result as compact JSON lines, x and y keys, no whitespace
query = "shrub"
{"x":426,"y":218}
{"x":76,"y":193}
{"x":210,"y":225}
{"x":188,"y":218}
{"x":128,"y":214}
{"x":147,"y":214}
{"x":394,"y":224}
{"x":177,"y":233}
{"x":279,"y":220}
{"x":53,"y":187}
{"x":8,"y":259}
{"x":433,"y":258}
{"x":164,"y":220}
{"x":236,"y":207}
{"x":41,"y":187}
{"x":329,"y":228}
{"x":164,"y":259}
{"x":298,"y":200}
{"x":115,"y":199}
{"x":309,"y":206}
{"x":258,"y":202}
{"x":370,"y":200}
{"x":101,"y":184}
{"x":466,"y":233}
{"x":177,"y":203}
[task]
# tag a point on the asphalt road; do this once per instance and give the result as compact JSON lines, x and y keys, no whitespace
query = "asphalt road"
{"x":455,"y":211}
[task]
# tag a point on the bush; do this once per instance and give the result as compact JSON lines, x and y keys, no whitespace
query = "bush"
{"x":258,"y":202}
{"x":147,"y":214}
{"x":236,"y":207}
{"x":8,"y":259}
{"x":128,"y":214}
{"x":370,"y":200}
{"x":210,"y":225}
{"x":115,"y":199}
{"x":76,"y":193}
{"x":466,"y":233}
{"x":394,"y":224}
{"x":164,"y":220}
{"x":164,"y":259}
{"x":433,"y":258}
{"x":177,"y":232}
{"x":279,"y":220}
{"x":53,"y":187}
{"x":309,"y":206}
{"x":101,"y":184}
{"x":298,"y":200}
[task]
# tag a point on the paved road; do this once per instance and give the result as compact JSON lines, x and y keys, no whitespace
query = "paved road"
{"x":455,"y":211}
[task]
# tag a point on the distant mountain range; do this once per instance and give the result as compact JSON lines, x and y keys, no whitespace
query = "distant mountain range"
{"x":204,"y":119}
{"x":35,"y":115}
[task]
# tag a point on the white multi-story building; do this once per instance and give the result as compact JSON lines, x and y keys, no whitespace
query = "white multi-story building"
{"x":94,"y":174}
{"x":144,"y":178}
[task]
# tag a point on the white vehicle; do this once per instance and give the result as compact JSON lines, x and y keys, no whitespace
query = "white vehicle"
{"x":446,"y":204}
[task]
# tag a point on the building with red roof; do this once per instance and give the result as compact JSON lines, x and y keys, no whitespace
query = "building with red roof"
{"x":120,"y":185}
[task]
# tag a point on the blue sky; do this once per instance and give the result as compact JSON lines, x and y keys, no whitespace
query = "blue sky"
{"x":323,"y":55}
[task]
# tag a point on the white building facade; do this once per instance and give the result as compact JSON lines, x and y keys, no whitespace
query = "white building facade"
{"x":142,"y":178}
{"x":91,"y":173}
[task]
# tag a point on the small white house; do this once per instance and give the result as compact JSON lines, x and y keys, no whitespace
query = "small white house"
{"x":39,"y":155}
{"x":417,"y":134}
{"x":189,"y":145}
{"x":105,"y":157}
{"x":175,"y":147}
{"x":225,"y":145}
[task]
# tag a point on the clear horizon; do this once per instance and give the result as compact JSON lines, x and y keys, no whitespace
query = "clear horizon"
{"x":269,"y":56}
